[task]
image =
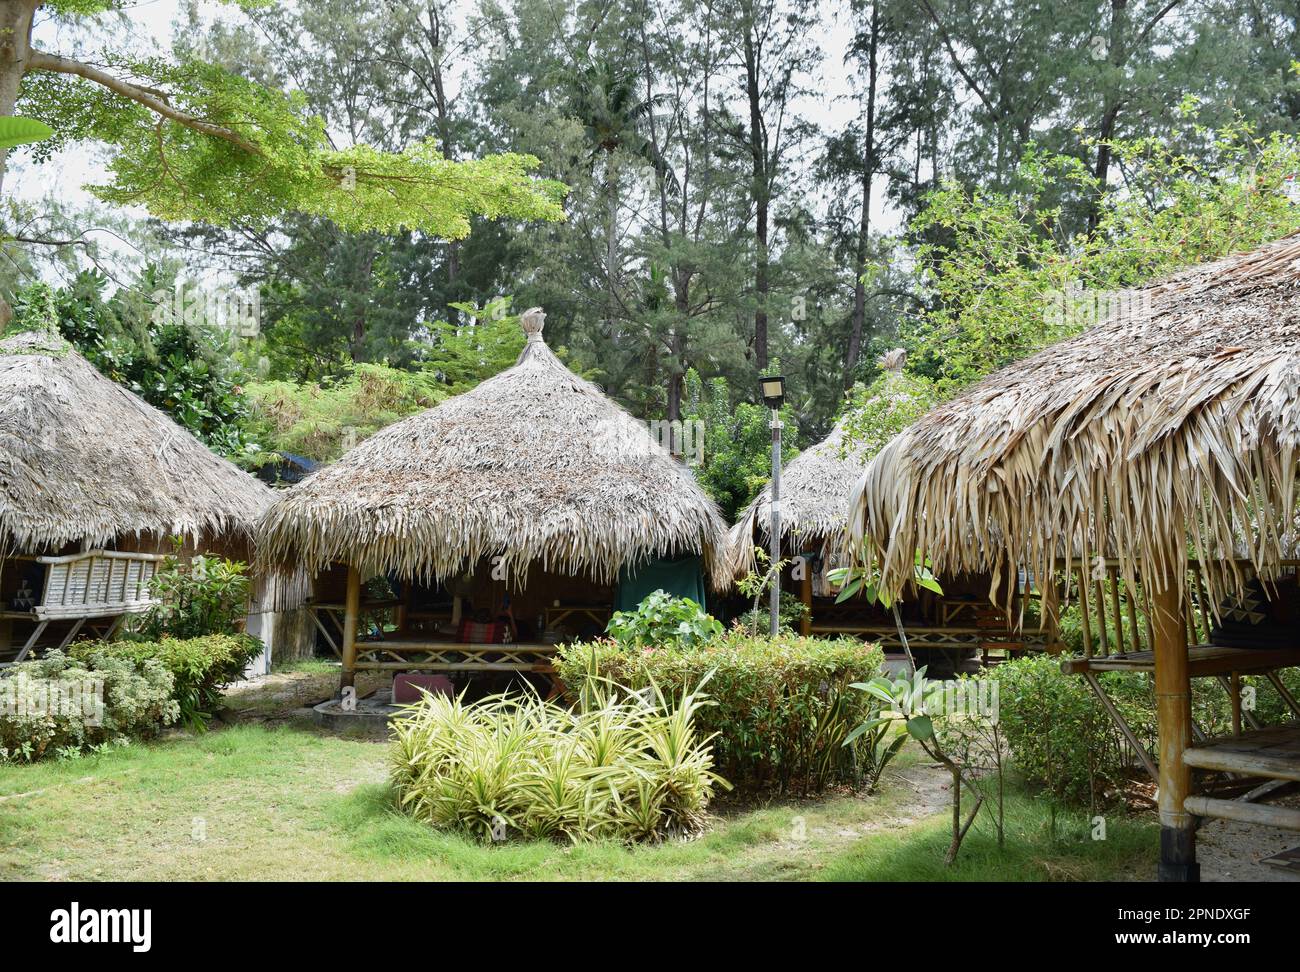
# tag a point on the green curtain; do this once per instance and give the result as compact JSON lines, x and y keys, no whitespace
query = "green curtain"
{"x":679,"y":576}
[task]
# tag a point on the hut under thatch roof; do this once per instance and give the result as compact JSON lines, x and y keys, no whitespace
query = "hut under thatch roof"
{"x":83,"y":460}
{"x":86,"y":464}
{"x":1177,"y":421}
{"x":1172,"y":426}
{"x":533,"y":465}
{"x":532,"y":471}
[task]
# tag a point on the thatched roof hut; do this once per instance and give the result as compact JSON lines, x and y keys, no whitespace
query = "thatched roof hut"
{"x":83,"y":460}
{"x":534,"y":465}
{"x":1171,"y":429}
{"x":1175,"y":422}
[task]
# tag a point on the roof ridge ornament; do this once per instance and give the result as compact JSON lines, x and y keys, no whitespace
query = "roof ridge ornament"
{"x":532,"y":321}
{"x":893,"y":360}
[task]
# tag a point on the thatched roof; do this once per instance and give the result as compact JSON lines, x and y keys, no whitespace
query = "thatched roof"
{"x":533,"y":465}
{"x":1171,"y":428}
{"x":82,"y":459}
{"x":815,"y":491}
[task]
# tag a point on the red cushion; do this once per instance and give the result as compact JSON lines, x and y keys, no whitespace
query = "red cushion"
{"x":475,"y":633}
{"x":407,"y":686}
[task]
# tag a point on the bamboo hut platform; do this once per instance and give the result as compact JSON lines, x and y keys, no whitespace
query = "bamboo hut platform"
{"x":1166,"y":436}
{"x":1202,"y":661}
{"x":1273,"y":753}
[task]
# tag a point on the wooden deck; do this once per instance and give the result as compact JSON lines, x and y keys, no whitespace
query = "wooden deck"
{"x":1272,"y":753}
{"x":1202,"y":661}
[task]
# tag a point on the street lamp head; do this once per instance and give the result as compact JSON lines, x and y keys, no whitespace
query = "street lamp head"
{"x":773,"y":388}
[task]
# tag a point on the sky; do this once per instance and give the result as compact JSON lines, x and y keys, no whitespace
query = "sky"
{"x":147,"y":27}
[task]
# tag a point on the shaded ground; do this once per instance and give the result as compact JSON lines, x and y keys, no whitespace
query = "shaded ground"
{"x":1231,"y":851}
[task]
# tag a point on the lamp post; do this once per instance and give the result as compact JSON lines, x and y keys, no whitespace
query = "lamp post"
{"x":773,"y":389}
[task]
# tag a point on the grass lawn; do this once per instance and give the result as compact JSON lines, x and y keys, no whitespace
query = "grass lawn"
{"x":284,"y":802}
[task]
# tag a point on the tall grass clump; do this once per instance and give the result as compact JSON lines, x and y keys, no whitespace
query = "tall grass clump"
{"x":630,"y":768}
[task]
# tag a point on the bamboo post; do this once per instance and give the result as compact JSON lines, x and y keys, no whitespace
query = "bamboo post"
{"x":1135,"y":639}
{"x":1083,"y":614}
{"x":1173,"y":714}
{"x":1049,"y":605}
{"x":1102,"y":637}
{"x":805,"y":595}
{"x":351,"y":615}
{"x":1114,"y":603}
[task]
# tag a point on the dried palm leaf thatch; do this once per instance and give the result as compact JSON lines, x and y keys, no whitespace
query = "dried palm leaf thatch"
{"x":534,"y":465}
{"x":1168,"y":431}
{"x":82,"y":459}
{"x":815,"y":491}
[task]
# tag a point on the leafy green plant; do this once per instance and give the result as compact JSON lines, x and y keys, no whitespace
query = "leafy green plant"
{"x":322,"y":421}
{"x":62,"y":706}
{"x":631,"y":768}
{"x":781,"y":706}
{"x":662,"y":621}
{"x":909,"y":703}
{"x":790,"y":614}
{"x":199,"y":667}
{"x":199,"y":596}
{"x":863,"y":578}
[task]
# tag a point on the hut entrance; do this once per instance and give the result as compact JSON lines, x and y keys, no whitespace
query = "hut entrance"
{"x":472,"y":626}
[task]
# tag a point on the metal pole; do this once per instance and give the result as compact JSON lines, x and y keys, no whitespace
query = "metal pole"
{"x":774,"y":531}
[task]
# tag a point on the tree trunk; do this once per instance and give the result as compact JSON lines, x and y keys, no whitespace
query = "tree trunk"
{"x":1116,"y":56}
{"x":15,"y":46}
{"x":864,"y":225}
{"x":761,"y":193}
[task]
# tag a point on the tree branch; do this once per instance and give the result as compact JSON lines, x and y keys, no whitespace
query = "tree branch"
{"x":153,"y":100}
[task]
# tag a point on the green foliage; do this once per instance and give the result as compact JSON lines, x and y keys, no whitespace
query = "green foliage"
{"x":15,"y":131}
{"x":782,"y":706}
{"x":200,"y":596}
{"x":663,"y":621}
{"x":322,"y":421}
{"x":862,"y":579}
{"x":790,"y":612}
{"x":199,"y":666}
{"x":1005,"y":282}
{"x":463,"y":355}
{"x":181,"y":368}
{"x":876,"y":413}
{"x":246,"y":153}
{"x":737,"y":442}
{"x":1062,"y":740}
{"x":635,"y":769}
{"x":62,"y":706}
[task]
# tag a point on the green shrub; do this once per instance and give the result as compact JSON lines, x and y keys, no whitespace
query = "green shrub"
{"x":790,"y":614}
{"x":634,"y":769}
{"x":783,"y":707}
{"x":663,"y":620}
{"x":196,"y":597}
{"x":1061,"y":738}
{"x":62,"y":706}
{"x":199,"y":666}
